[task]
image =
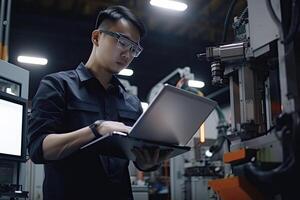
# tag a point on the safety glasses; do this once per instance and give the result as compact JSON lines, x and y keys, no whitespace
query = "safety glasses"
{"x":125,"y":43}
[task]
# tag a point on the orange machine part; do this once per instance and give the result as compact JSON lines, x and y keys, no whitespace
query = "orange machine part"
{"x":233,"y":156}
{"x":235,"y":188}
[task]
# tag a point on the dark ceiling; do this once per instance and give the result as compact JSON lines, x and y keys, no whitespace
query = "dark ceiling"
{"x":60,"y":31}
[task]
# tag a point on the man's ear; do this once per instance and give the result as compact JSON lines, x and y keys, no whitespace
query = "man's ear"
{"x":95,"y":37}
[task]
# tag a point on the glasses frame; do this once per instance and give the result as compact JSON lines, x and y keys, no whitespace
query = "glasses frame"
{"x":133,"y":45}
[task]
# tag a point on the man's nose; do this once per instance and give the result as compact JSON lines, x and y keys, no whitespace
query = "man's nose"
{"x":126,"y":53}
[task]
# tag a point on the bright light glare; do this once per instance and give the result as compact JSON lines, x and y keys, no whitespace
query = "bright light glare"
{"x":202,"y":133}
{"x":208,"y":153}
{"x":126,"y":72}
{"x":196,"y":84}
{"x":32,"y":60}
{"x":9,"y":91}
{"x":10,"y":128}
{"x":169,"y":4}
{"x":144,"y":106}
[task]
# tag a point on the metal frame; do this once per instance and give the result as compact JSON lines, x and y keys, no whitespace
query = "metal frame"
{"x":243,"y":62}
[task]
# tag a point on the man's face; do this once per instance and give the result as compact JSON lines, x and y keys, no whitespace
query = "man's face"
{"x":111,"y":53}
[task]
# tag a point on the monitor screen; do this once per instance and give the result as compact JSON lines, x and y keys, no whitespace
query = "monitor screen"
{"x":13,"y":116}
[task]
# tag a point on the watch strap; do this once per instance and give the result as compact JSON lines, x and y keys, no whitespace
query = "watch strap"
{"x":94,"y":126}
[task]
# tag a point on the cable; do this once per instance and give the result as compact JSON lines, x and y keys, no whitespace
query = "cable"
{"x":290,"y":126}
{"x":270,"y":129}
{"x":181,"y":82}
{"x":226,"y":22}
{"x":222,"y":132}
{"x":294,"y":22}
{"x":273,"y":14}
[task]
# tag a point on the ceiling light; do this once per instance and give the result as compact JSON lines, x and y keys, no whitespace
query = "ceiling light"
{"x":169,"y":4}
{"x":196,"y":84}
{"x":32,"y":60}
{"x":126,"y":72}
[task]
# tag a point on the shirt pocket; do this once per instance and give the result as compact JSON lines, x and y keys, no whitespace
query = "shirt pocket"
{"x":80,"y":114}
{"x":128,"y":116}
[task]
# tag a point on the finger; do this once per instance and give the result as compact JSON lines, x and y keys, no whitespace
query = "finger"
{"x":138,"y":154}
{"x":117,"y":126}
{"x":123,"y":128}
{"x":146,"y":152}
{"x":120,"y":123}
{"x":156,"y":155}
{"x":164,"y":154}
{"x":127,"y":129}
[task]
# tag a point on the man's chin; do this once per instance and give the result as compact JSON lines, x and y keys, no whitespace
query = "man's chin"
{"x":116,"y":71}
{"x":119,"y":68}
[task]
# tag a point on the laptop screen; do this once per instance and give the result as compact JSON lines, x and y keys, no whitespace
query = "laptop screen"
{"x":173,"y":117}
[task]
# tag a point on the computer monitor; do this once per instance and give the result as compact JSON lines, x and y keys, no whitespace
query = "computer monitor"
{"x":13,"y":127}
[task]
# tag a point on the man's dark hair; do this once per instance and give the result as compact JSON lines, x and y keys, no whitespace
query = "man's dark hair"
{"x":115,"y":13}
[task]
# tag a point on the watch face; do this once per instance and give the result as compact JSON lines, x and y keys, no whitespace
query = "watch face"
{"x":93,"y":127}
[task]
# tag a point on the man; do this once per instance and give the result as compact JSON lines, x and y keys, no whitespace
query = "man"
{"x":71,"y":108}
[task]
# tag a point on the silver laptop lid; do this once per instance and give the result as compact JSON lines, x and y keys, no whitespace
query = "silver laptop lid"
{"x":173,"y":116}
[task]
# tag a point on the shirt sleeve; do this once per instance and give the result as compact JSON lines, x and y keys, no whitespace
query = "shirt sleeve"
{"x":46,"y":115}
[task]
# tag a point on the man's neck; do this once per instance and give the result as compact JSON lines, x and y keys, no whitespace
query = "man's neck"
{"x":103,"y":76}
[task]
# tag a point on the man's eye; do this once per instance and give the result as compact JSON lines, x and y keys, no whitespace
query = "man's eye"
{"x":132,"y":49}
{"x":123,"y":43}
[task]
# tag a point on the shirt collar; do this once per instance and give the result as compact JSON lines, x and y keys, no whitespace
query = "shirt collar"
{"x":85,"y":74}
{"x":115,"y":81}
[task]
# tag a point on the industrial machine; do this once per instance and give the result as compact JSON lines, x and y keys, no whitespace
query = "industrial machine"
{"x":175,"y":78}
{"x":13,"y":126}
{"x":261,"y":68}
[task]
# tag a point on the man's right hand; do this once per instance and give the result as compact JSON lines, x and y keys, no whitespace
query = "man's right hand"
{"x":111,"y":126}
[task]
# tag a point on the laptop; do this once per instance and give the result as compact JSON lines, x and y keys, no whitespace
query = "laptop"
{"x":170,"y":121}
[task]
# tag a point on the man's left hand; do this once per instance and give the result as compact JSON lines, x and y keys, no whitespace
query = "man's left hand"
{"x":149,"y":157}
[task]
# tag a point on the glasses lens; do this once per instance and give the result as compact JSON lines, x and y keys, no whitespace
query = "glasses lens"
{"x":124,"y":43}
{"x":127,"y":44}
{"x":138,"y":51}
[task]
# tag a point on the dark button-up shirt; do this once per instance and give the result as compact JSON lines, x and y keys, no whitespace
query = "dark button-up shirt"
{"x":70,"y":100}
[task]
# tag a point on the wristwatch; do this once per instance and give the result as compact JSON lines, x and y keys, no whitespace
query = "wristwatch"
{"x":94,"y":126}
